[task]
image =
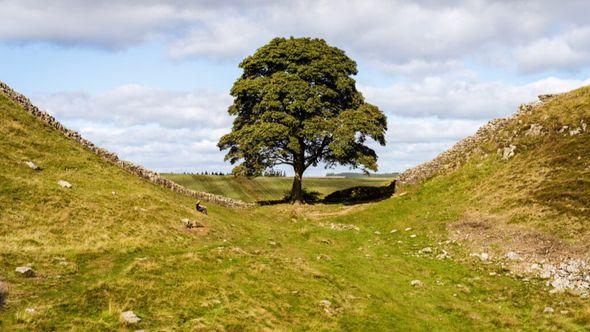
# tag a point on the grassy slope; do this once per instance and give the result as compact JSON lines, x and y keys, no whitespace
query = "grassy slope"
{"x":248,"y":269}
{"x":546,"y":185}
{"x":266,"y":188}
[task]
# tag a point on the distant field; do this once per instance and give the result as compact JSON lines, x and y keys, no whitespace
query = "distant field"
{"x":267,"y":188}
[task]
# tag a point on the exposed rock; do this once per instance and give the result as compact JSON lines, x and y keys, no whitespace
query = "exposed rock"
{"x":511,"y":255}
{"x":64,"y":184}
{"x":534,"y":130}
{"x":377,"y":233}
{"x":547,"y":97}
{"x":426,"y":250}
{"x":340,"y":227}
{"x":416,"y":283}
{"x":443,"y":255}
{"x":30,"y":311}
{"x":322,"y":257}
{"x":413,"y":236}
{"x":140,"y":171}
{"x":192,"y":223}
{"x":548,"y":310}
{"x":325,"y":303}
{"x":408,"y":229}
{"x":25,"y":271}
{"x":484,"y":257}
{"x":32,"y":165}
{"x":129,"y":317}
{"x":575,"y":131}
{"x":508,"y":152}
{"x":393,"y":231}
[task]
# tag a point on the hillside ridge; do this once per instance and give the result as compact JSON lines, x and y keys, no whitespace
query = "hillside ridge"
{"x":111,"y":157}
{"x":454,"y":157}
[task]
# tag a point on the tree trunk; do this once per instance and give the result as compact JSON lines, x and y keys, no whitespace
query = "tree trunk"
{"x":296,"y":190}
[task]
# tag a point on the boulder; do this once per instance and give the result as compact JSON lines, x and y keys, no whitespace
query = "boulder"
{"x":426,"y":250}
{"x":129,"y":317}
{"x":32,"y":165}
{"x":534,"y":130}
{"x":25,"y":271}
{"x":191,"y":223}
{"x":64,"y":184}
{"x":416,"y":283}
{"x":508,"y":152}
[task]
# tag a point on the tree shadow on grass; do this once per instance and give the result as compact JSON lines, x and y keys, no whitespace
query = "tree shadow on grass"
{"x":360,"y":194}
{"x":310,"y":197}
{"x":350,"y":196}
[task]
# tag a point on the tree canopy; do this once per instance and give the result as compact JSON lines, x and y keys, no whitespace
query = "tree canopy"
{"x":296,"y":104}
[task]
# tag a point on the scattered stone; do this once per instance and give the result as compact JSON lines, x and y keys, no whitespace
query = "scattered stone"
{"x":511,"y":255}
{"x":25,"y":271}
{"x":191,"y":223}
{"x":493,"y":274}
{"x":129,"y":317}
{"x":325,"y":303}
{"x":508,"y":152}
{"x":534,"y":130}
{"x":575,"y":131}
{"x":426,"y":250}
{"x":443,"y":255}
{"x":113,"y":193}
{"x":322,"y":257}
{"x":377,"y":233}
{"x":393,"y":231}
{"x":408,"y":229}
{"x":484,"y":257}
{"x":64,"y":184}
{"x":340,"y":227}
{"x":32,"y":165}
{"x":548,"y":310}
{"x":413,"y":236}
{"x":416,"y":283}
{"x":30,"y":311}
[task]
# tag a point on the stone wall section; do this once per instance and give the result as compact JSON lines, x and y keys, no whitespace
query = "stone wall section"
{"x":108,"y":156}
{"x":451,"y":159}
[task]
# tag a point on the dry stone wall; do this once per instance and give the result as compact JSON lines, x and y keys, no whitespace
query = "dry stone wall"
{"x":108,"y":156}
{"x":454,"y":157}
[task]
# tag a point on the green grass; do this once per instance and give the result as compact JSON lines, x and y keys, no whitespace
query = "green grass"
{"x":267,"y":188}
{"x":247,"y":269}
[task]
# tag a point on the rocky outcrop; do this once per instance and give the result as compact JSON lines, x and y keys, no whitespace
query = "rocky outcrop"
{"x":140,"y":171}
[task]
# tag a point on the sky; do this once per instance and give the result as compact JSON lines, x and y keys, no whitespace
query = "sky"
{"x":150,"y":80}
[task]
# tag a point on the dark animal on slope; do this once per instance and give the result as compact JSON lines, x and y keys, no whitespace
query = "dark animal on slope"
{"x":201,"y":208}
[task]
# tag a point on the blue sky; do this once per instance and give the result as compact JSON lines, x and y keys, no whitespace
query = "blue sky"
{"x":150,"y":80}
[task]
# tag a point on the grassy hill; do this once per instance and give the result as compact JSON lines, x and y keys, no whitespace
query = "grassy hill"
{"x":266,"y":188}
{"x":97,"y":254}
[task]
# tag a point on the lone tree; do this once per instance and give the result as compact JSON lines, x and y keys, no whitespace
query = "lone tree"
{"x":297,"y":104}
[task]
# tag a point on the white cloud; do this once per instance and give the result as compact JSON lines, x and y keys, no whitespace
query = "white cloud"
{"x":405,"y":36}
{"x":439,"y":97}
{"x":139,"y":105}
{"x":570,"y":50}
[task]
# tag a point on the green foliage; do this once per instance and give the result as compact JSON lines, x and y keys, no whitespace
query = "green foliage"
{"x":297,"y":104}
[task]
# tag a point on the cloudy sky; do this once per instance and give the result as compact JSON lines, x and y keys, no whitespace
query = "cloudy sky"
{"x":149,"y":80}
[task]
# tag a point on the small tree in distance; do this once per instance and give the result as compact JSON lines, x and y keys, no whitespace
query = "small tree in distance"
{"x":297,"y":104}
